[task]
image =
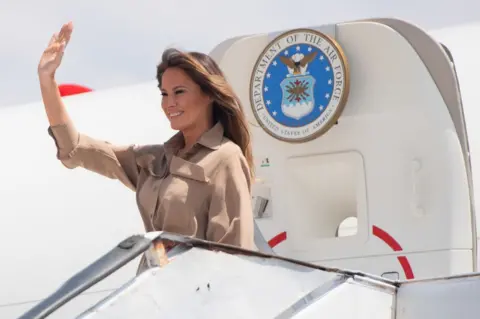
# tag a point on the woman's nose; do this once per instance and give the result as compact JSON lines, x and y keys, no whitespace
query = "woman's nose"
{"x":171,"y":101}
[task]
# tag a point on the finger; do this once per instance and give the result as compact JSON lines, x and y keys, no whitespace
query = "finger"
{"x":67,"y":39}
{"x":61,"y":34}
{"x":61,"y":47}
{"x":53,"y":39}
{"x":68,"y":33}
{"x":59,"y":54}
{"x":56,"y":47}
{"x":65,"y":32}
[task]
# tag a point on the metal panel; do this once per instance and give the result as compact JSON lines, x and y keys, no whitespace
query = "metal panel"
{"x":455,"y":297}
{"x":207,"y":284}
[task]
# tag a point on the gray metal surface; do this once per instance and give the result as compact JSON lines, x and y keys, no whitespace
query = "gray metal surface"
{"x":207,"y":284}
{"x":201,"y":279}
{"x":453,"y":297}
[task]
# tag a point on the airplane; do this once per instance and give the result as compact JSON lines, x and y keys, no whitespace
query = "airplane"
{"x":389,"y":189}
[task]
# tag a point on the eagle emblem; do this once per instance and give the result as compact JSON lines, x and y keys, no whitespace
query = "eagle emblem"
{"x":298,"y":97}
{"x":299,"y":85}
{"x":298,"y":63}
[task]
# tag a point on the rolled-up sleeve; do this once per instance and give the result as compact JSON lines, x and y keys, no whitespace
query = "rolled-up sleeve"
{"x":230,"y":213}
{"x":78,"y":150}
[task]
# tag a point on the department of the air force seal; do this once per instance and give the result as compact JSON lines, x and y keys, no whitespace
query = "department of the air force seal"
{"x":299,"y":85}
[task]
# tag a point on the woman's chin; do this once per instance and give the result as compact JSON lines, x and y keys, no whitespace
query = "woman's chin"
{"x":177,"y":125}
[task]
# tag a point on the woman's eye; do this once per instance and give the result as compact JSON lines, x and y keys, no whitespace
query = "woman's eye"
{"x":179,"y":91}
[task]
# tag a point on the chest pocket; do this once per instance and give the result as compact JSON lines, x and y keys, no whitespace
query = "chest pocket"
{"x":183,"y":197}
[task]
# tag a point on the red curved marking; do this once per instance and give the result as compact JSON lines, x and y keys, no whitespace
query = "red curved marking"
{"x":392,"y":243}
{"x":407,"y":269}
{"x":389,"y":240}
{"x":72,"y":89}
{"x":277,"y":239}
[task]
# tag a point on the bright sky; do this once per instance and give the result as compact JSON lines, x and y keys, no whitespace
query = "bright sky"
{"x":119,"y":42}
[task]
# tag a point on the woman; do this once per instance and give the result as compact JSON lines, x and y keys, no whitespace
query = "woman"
{"x":198,"y":182}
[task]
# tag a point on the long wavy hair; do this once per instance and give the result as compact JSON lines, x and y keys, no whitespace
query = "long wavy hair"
{"x":227,"y":107}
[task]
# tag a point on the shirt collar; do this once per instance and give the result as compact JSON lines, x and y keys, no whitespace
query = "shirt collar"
{"x":211,"y":139}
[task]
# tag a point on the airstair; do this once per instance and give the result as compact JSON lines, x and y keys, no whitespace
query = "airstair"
{"x":201,"y":279}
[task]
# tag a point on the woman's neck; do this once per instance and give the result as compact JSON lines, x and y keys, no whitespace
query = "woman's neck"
{"x":191,"y":136}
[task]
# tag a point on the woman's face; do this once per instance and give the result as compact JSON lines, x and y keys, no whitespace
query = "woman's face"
{"x":184,"y":103}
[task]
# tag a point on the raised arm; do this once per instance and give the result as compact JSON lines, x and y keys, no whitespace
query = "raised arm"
{"x":49,"y":62}
{"x":230,"y":219}
{"x":75,"y":149}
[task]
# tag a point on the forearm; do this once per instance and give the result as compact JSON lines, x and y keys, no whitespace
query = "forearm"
{"x":54,"y":107}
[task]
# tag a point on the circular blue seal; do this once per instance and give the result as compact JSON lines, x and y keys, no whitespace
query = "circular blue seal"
{"x":299,"y":85}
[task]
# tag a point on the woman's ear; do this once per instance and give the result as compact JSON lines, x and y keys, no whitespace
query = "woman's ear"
{"x":211,"y":101}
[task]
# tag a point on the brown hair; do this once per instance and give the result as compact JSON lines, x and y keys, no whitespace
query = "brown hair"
{"x":227,"y":108}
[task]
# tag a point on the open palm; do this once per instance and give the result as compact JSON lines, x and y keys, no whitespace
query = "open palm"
{"x":52,"y":56}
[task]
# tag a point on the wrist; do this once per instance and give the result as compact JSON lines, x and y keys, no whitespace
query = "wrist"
{"x":47,"y":81}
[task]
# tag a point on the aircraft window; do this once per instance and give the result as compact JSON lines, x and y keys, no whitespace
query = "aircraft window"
{"x":348,"y":227}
